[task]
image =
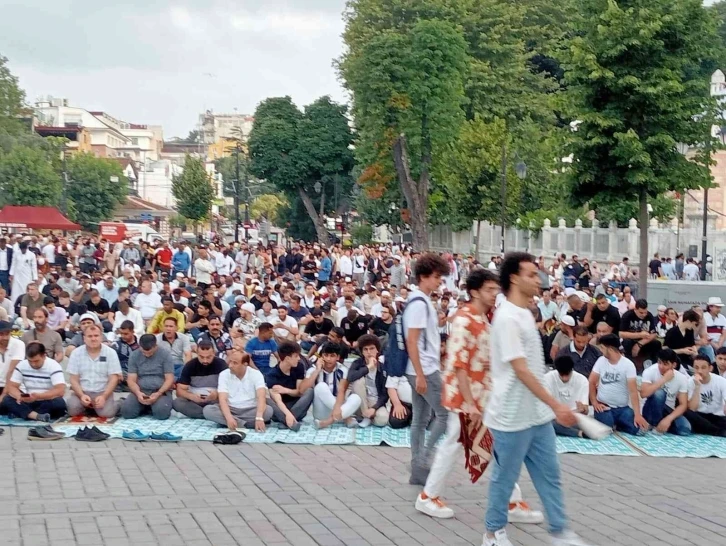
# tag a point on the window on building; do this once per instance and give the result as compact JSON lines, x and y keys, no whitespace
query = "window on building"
{"x":134,"y":141}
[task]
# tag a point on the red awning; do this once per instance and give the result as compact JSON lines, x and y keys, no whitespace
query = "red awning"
{"x":35,"y":218}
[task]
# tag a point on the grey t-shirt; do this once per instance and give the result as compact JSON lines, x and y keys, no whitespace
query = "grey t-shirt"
{"x":150,"y":370}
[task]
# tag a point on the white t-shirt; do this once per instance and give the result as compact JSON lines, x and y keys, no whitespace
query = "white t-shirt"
{"x":42,"y":379}
{"x":429,"y":342}
{"x":691,"y":272}
{"x":242,"y":393}
{"x":612,"y":388}
{"x":512,"y":406}
{"x":575,"y":390}
{"x":49,"y":253}
{"x":147,"y":304}
{"x":713,"y":395}
{"x":678,"y":384}
{"x":714,"y":326}
{"x":15,"y":351}
{"x":289,"y":321}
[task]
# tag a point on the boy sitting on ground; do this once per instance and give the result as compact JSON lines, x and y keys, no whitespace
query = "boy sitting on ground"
{"x":707,"y":396}
{"x":327,"y":376}
{"x":666,"y":391}
{"x":570,"y":388}
{"x":289,"y":401}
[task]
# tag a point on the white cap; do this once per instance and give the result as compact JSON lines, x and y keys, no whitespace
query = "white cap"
{"x":386,"y":293}
{"x":248,"y":307}
{"x":567,"y":319}
{"x":583,"y":296}
{"x":347,"y":279}
{"x":399,"y":299}
{"x":569,"y":291}
{"x":662,"y":308}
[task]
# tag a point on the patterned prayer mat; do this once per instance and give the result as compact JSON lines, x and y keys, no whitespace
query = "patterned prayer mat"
{"x":696,"y":446}
{"x":612,"y":445}
{"x":84,"y":420}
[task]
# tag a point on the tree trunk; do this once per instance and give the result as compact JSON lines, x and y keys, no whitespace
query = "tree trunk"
{"x":318,"y":221}
{"x":643,"y":265}
{"x":478,"y":237}
{"x":416,"y":194}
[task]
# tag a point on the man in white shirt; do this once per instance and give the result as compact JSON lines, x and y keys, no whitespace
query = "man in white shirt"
{"x":204,"y":268}
{"x":691,"y":271}
{"x":95,"y":371}
{"x":613,"y":389}
{"x":241,"y":259}
{"x":242,"y":397}
{"x":345,"y":265}
{"x":224,"y":263}
{"x":666,"y":394}
{"x":706,"y":399}
{"x":147,"y":302}
{"x":126,"y":312}
{"x":12,"y":351}
{"x":520,"y":409}
{"x":421,"y":330}
{"x":570,"y":388}
{"x":286,"y":328}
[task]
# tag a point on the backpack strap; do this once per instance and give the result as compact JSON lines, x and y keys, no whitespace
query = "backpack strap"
{"x":419,"y":298}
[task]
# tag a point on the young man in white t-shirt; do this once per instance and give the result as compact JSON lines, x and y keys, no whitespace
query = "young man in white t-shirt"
{"x":569,"y":387}
{"x":666,"y":394}
{"x":613,"y":389}
{"x":242,"y":396}
{"x":520,"y":410}
{"x":706,"y":399}
{"x":421,"y":330}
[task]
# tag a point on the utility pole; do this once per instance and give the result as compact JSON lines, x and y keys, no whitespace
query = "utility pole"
{"x":247,"y":203}
{"x":504,"y":192}
{"x":236,"y":199}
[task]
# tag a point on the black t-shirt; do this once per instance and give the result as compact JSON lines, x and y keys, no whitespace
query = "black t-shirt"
{"x":379,"y":327}
{"x":99,"y":308}
{"x":654,"y":266}
{"x":578,"y":316}
{"x":196,"y":318}
{"x":354,"y":329}
{"x":632,"y":323}
{"x":72,"y":309}
{"x":313,"y":329}
{"x":309,"y":265}
{"x":198,"y":375}
{"x":277,"y":377}
{"x":610,"y":316}
{"x":675,"y":339}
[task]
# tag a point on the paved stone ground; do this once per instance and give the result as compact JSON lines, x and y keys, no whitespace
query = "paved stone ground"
{"x":115,"y":493}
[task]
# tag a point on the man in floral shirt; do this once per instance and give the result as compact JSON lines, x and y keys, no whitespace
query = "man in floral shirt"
{"x":465,"y":393}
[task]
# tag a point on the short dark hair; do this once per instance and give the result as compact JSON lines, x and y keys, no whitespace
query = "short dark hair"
{"x":610,"y":340}
{"x":581,"y":330}
{"x":47,"y":300}
{"x":34,"y":348}
{"x":214,"y":317}
{"x":167,"y":319}
{"x":479,"y":277}
{"x":691,"y":316}
{"x":641,"y":304}
{"x":369,"y":339}
{"x":338,"y":331}
{"x":600,"y":296}
{"x":147,"y":342}
{"x":703,"y":357}
{"x":287,"y":348}
{"x":205,"y":343}
{"x":166,"y":298}
{"x":264,"y":327}
{"x":564,"y":364}
{"x":510,"y":266}
{"x":330,"y":348}
{"x":721,"y":351}
{"x":668,"y":355}
{"x":428,"y":264}
{"x":126,"y":325}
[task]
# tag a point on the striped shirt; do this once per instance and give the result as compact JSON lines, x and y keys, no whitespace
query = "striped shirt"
{"x":42,"y":379}
{"x":94,"y":372}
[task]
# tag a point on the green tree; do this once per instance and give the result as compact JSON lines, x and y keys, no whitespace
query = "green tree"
{"x":193,"y":190}
{"x":12,"y":99}
{"x":638,"y":86}
{"x":96,"y":187}
{"x":296,"y":221}
{"x":27,"y":177}
{"x":304,"y":154}
{"x":408,"y":93}
{"x":269,"y":206}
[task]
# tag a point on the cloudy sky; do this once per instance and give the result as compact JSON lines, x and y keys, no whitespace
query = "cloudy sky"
{"x":164,"y":62}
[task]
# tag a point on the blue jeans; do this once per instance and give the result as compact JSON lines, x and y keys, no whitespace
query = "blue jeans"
{"x":655,"y":410}
{"x":622,"y":419}
{"x":422,"y":449}
{"x":708,"y":352}
{"x":536,"y":448}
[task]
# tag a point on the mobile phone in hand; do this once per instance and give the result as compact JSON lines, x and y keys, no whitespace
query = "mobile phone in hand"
{"x":24,"y":395}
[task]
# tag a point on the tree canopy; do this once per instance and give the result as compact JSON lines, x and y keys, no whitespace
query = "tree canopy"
{"x":193,"y":190}
{"x":96,"y":187}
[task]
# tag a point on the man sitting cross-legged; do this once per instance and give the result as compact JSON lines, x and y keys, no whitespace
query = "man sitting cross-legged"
{"x":569,"y":387}
{"x":706,"y":399}
{"x":36,"y":387}
{"x":327,"y":376}
{"x":613,"y":387}
{"x":368,"y":380}
{"x":290,"y":403}
{"x":242,"y":396}
{"x":151,"y":376}
{"x":198,"y":380}
{"x":666,"y":391}
{"x":95,"y":371}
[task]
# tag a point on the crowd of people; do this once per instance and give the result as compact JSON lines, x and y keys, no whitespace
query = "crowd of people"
{"x":246,"y":336}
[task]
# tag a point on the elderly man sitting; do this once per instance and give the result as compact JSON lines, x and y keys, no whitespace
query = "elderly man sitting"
{"x":95,"y":371}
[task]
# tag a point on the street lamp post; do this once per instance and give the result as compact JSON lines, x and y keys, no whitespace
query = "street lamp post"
{"x":704,"y":236}
{"x":683,"y":149}
{"x":521,"y":169}
{"x":236,"y":200}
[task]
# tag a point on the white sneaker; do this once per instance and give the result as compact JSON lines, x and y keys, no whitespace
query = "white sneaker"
{"x":522,"y":513}
{"x":433,"y":507}
{"x":500,"y":539}
{"x":365,"y":422}
{"x":568,"y":538}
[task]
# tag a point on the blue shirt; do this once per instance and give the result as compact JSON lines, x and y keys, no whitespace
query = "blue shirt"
{"x":109,"y":294}
{"x":326,"y":266}
{"x":181,"y":261}
{"x":260,"y":352}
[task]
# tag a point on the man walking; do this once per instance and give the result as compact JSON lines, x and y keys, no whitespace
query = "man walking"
{"x":520,"y":409}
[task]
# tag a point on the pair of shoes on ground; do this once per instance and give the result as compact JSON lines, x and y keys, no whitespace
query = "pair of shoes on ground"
{"x":565,"y":538}
{"x":91,"y":434}
{"x":231,"y":437}
{"x":138,"y":436}
{"x":519,"y":512}
{"x":44,"y":434}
